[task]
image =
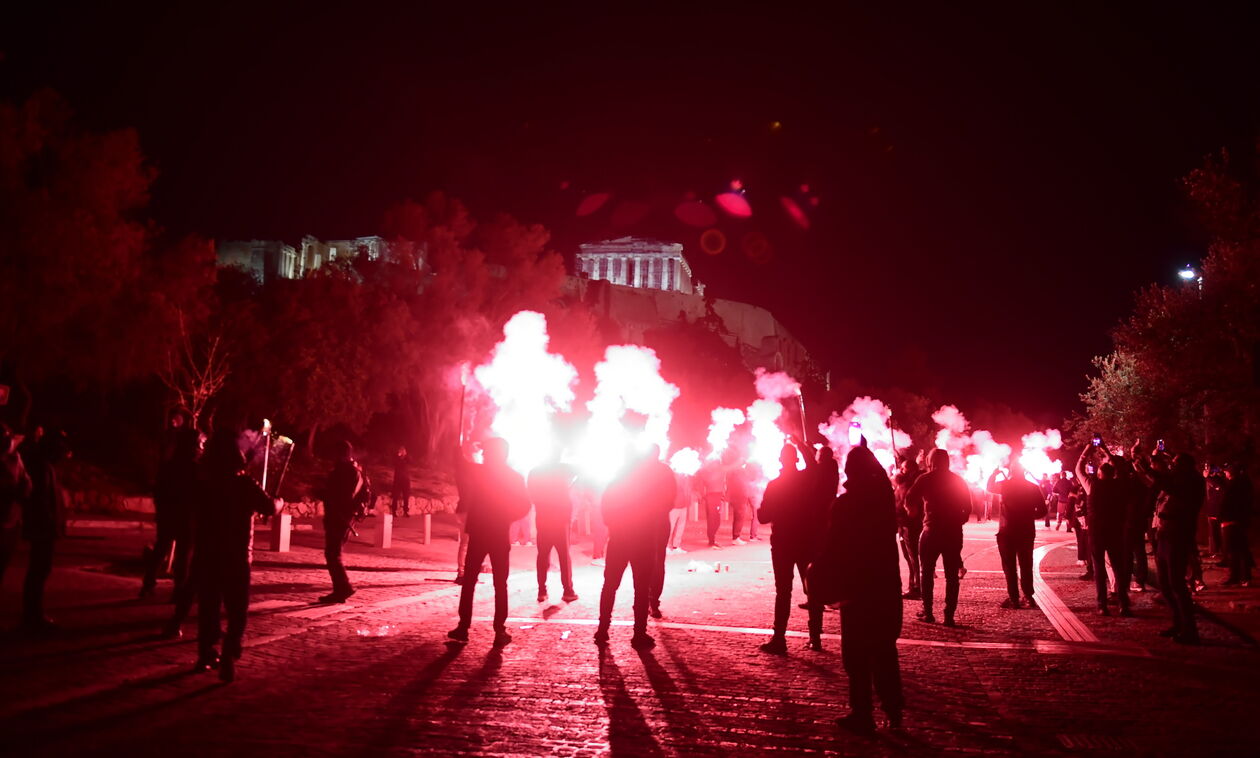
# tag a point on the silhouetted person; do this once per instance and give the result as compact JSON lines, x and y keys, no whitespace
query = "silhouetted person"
{"x":400,"y":497}
{"x":712,"y":480}
{"x":227,"y":499}
{"x":636,"y":509}
{"x":494,"y":496}
{"x":678,"y":515}
{"x":15,"y":488}
{"x":344,"y":491}
{"x":1236,"y":506}
{"x":739,"y":495}
{"x":675,"y":523}
{"x":41,"y":524}
{"x":1107,"y":514}
{"x":945,"y":501}
{"x":797,"y":504}
{"x":550,"y":487}
{"x":173,"y":502}
{"x":1022,"y":504}
{"x":863,"y":537}
{"x":909,"y":524}
{"x":1182,"y":492}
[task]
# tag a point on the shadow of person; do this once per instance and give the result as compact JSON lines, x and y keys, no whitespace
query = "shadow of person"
{"x":398,"y":716}
{"x":628,"y":730}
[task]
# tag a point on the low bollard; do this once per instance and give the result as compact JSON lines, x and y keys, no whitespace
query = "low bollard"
{"x":428,"y":527}
{"x":384,"y":529}
{"x":281,"y":530}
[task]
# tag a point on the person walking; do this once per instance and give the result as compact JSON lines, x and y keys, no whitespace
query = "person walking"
{"x":228,"y":498}
{"x":346,"y":491}
{"x":550,"y":487}
{"x":712,"y":492}
{"x":798,"y":509}
{"x":494,"y":496}
{"x":636,"y":510}
{"x":1022,"y":503}
{"x":945,"y":501}
{"x":863,"y":538}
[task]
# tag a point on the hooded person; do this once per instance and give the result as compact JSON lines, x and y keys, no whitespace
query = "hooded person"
{"x":945,"y":501}
{"x":228,"y":499}
{"x":862,"y":537}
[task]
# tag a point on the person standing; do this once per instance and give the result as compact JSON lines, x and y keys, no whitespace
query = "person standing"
{"x":15,"y":488}
{"x":1107,"y":514}
{"x":945,"y":501}
{"x":1236,"y":507}
{"x":173,"y":495}
{"x":636,"y":509}
{"x":678,"y":514}
{"x":909,"y":525}
{"x":228,"y":498}
{"x":494,"y":496}
{"x":550,"y":487}
{"x":1022,"y":503}
{"x":41,"y":524}
{"x":400,"y":497}
{"x":739,"y":495}
{"x":1181,"y":490}
{"x":713,"y":490}
{"x":863,"y":537}
{"x":797,"y":506}
{"x":345,"y":492}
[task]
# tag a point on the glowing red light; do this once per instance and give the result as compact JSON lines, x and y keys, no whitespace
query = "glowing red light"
{"x":794,"y":212}
{"x":734,"y":204}
{"x":592,"y":203}
{"x":712,"y":241}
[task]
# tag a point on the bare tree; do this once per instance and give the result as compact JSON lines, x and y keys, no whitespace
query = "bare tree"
{"x":195,"y":372}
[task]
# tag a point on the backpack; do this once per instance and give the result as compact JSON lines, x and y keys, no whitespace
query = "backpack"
{"x":362,"y":497}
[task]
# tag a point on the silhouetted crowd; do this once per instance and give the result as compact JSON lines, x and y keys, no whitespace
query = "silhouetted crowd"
{"x":845,"y":546}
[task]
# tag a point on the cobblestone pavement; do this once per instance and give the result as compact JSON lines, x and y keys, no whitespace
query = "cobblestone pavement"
{"x":375,"y":676}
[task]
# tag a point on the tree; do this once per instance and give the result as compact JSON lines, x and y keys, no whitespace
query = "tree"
{"x":88,"y":288}
{"x":1185,"y":364}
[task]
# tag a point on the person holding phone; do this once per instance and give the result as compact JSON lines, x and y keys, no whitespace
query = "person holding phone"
{"x":1107,"y":512}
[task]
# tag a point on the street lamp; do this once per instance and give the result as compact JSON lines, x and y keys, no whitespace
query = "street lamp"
{"x":1191,"y":274}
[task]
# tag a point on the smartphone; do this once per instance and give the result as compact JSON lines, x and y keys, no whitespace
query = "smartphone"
{"x":1089,"y":468}
{"x":1159,"y":446}
{"x":1097,"y":440}
{"x":855,"y":433}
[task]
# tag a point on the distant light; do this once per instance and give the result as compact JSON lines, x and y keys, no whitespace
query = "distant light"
{"x":1188,"y":273}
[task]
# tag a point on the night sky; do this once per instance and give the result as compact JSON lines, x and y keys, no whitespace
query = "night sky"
{"x":991,"y":188}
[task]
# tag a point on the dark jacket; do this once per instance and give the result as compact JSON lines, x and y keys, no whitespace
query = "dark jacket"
{"x":341,"y":489}
{"x":1022,"y":505}
{"x":42,"y":512}
{"x":944,"y":499}
{"x":550,"y":490}
{"x":798,"y":507}
{"x":493,"y":496}
{"x":862,"y":535}
{"x":637,"y":505}
{"x":1239,"y":500}
{"x":1180,"y":499}
{"x":227,"y":499}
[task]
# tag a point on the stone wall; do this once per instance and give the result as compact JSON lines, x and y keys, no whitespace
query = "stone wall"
{"x":78,"y":502}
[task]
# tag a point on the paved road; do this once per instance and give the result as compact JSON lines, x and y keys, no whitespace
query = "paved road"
{"x":375,"y":677}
